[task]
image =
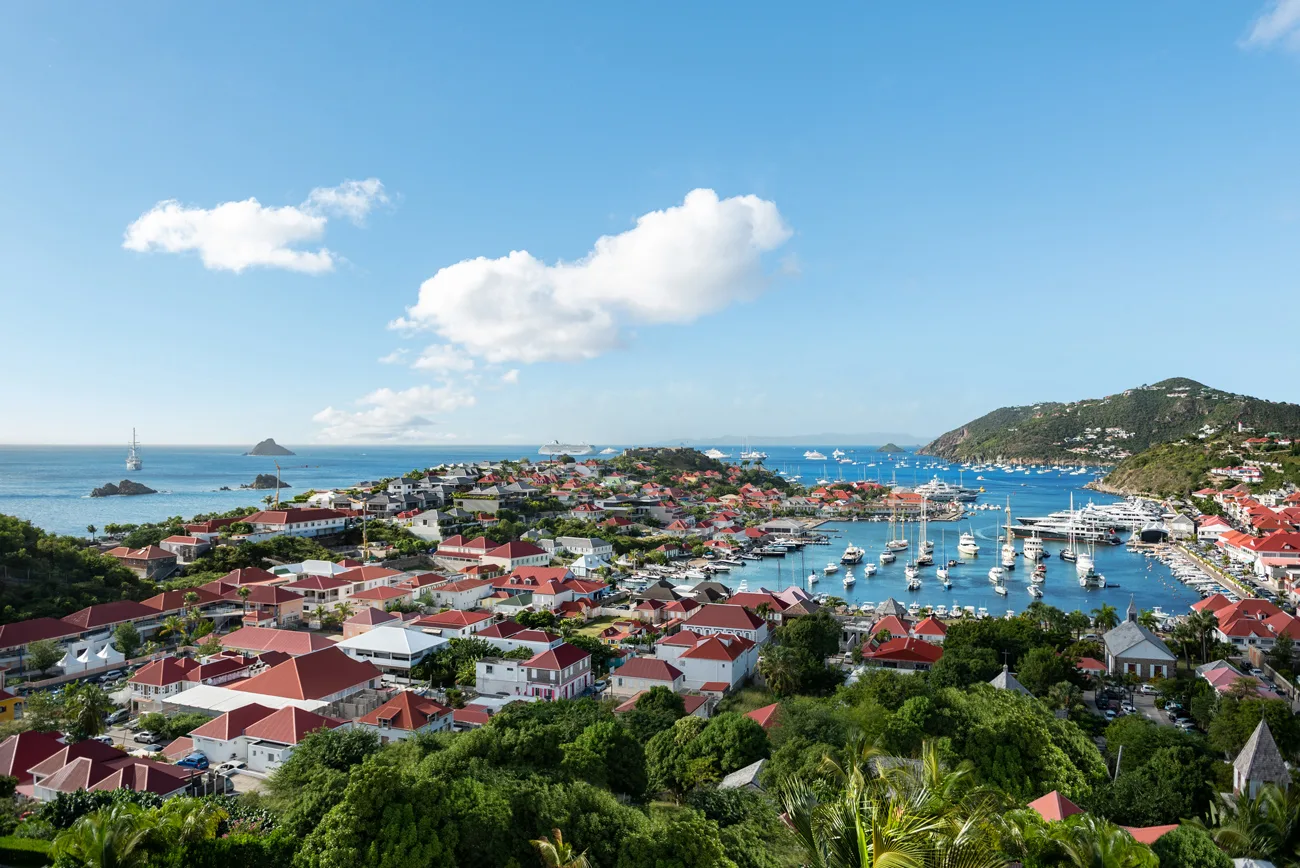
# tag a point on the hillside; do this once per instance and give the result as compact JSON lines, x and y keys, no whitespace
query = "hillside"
{"x":1109,"y":429}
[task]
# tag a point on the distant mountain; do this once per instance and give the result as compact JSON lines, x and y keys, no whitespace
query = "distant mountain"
{"x":891,"y":447}
{"x":268,"y":447}
{"x":1108,"y":429}
{"x":803,"y":439}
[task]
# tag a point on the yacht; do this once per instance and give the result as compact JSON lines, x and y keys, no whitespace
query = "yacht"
{"x":813,"y":455}
{"x":1091,"y":579}
{"x":896,"y":542}
{"x":1039,"y":575}
{"x":1035,"y":592}
{"x":888,"y":557}
{"x":945,"y":581}
{"x":831,"y":569}
{"x":852,"y":555}
{"x":868,"y":569}
{"x":967,"y":545}
{"x":849,"y":579}
{"x":941,"y":573}
{"x":1000,"y":590}
{"x":609,"y":450}
{"x":717,"y":454}
{"x":913,"y":583}
{"x":133,"y":461}
{"x":1033,"y":548}
{"x":1009,"y":547}
{"x":941,"y":610}
{"x":555,"y":447}
{"x":838,"y":454}
{"x":1083,"y":563}
{"x":911,"y":572}
{"x":995,"y":575}
{"x":812,"y":579}
{"x":944,"y":492}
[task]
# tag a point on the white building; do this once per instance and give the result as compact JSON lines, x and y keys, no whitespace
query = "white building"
{"x":500,"y":677}
{"x":298,"y":522}
{"x":581,"y":545}
{"x":392,"y":647}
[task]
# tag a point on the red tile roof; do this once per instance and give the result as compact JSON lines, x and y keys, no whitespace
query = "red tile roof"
{"x":160,"y":673}
{"x":262,"y":595}
{"x":725,"y":617}
{"x":690,"y":701}
{"x":559,"y":657}
{"x":718,"y":648}
{"x":1054,"y":806}
{"x":906,"y":650}
{"x":407,"y":711}
{"x":293,"y":516}
{"x":1090,"y":664}
{"x":765,"y":716}
{"x":20,"y":752}
{"x":34,"y":629}
{"x":104,"y":614}
{"x":454,"y":618}
{"x":471,"y":715}
{"x":290,"y":725}
{"x":516,"y":550}
{"x":381,"y":595}
{"x":293,"y":642}
{"x":1148,"y":834}
{"x":248,"y":576}
{"x":173,"y":601}
{"x":367,"y":574}
{"x":312,"y":676}
{"x":233,"y":723}
{"x":143,"y":776}
{"x":931,"y":626}
{"x":649,"y":668}
{"x":370,"y":615}
{"x":148,"y":553}
{"x":319,"y":583}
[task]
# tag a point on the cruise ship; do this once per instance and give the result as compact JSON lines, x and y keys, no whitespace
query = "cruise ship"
{"x":555,"y":447}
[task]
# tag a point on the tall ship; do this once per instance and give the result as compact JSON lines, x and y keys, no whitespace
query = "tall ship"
{"x":555,"y":447}
{"x":133,"y":461}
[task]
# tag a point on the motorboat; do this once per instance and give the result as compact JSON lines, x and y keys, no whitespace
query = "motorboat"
{"x":852,"y":555}
{"x":995,"y":575}
{"x":1000,"y":590}
{"x":1091,"y":579}
{"x":888,"y":557}
{"x":1008,"y":559}
{"x":982,"y":613}
{"x":717,"y":454}
{"x":1039,"y":575}
{"x":831,"y":569}
{"x":941,"y":610}
{"x":913,"y":584}
{"x":813,"y":455}
{"x":868,"y":569}
{"x":1035,"y":592}
{"x":837,"y":454}
{"x":849,"y":579}
{"x":967,"y":545}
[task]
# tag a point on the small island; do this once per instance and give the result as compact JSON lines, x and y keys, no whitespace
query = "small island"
{"x":125,"y":487}
{"x":891,"y":447}
{"x":268,"y":447}
{"x":266,"y":480}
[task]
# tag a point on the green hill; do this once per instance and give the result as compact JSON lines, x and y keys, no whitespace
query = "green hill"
{"x":1108,"y":430}
{"x":891,"y":447}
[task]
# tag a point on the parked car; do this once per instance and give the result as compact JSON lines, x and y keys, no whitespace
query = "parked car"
{"x":1127,"y":708}
{"x":146,"y":737}
{"x":230,"y":767}
{"x":1146,"y":690}
{"x":103,"y":739}
{"x":1257,"y":673}
{"x":196,"y":760}
{"x":118,"y":716}
{"x":113,"y":674}
{"x":1110,"y":714}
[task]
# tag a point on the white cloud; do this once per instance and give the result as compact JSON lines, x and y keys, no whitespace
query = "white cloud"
{"x":234,"y":236}
{"x":674,"y":266}
{"x":396,"y":357}
{"x":1279,"y":23}
{"x":405,"y":416}
{"x":351,"y":199}
{"x":442,"y":359}
{"x":511,"y":377}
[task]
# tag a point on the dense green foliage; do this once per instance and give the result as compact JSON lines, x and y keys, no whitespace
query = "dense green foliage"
{"x":46,"y":575}
{"x":1039,"y":431}
{"x":1169,"y":469}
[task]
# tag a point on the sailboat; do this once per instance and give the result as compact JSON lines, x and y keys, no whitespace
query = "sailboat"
{"x":898,"y":536}
{"x":924,"y":548}
{"x":912,"y":573}
{"x":1068,"y":553}
{"x":942,"y":572}
{"x":1009,"y":546}
{"x":133,"y":461}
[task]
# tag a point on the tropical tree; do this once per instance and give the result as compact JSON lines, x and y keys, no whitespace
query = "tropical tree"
{"x":1104,"y":617}
{"x":243,"y":592}
{"x":1148,"y":619}
{"x":128,"y":639}
{"x":41,"y":655}
{"x":185,"y":821}
{"x":115,"y":837}
{"x":1081,"y":841}
{"x":781,"y":667}
{"x":91,"y":529}
{"x":1077,"y":622}
{"x":86,"y":706}
{"x":172,"y":627}
{"x":1202,"y":626}
{"x":557,"y":854}
{"x":1265,"y":827}
{"x":1064,"y":696}
{"x":910,"y":816}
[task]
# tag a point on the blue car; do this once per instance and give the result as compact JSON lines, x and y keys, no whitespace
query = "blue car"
{"x":194,"y":761}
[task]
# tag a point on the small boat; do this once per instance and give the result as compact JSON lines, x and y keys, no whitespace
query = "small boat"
{"x":914,"y":584}
{"x":1000,"y":590}
{"x":849,"y":579}
{"x":852,"y":555}
{"x":941,"y":574}
{"x":888,"y":557}
{"x":831,"y":569}
{"x":911,"y":571}
{"x":995,"y":575}
{"x":1035,"y":592}
{"x":1040,"y":575}
{"x":742,"y":587}
{"x":812,"y":579}
{"x":941,"y":610}
{"x":982,"y":613}
{"x":868,"y":569}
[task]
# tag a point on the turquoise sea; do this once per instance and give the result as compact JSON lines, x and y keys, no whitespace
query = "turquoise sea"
{"x":50,"y":487}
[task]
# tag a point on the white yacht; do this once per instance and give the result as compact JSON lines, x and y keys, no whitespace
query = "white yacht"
{"x":812,"y":579}
{"x":913,"y":584}
{"x":852,"y":555}
{"x":868,"y":569}
{"x":967,"y":545}
{"x":1033,"y":548}
{"x":888,"y":557}
{"x":609,"y":450}
{"x":717,"y":454}
{"x":849,"y":579}
{"x":911,"y":572}
{"x":133,"y":461}
{"x":1000,"y":590}
{"x":831,"y":568}
{"x":752,"y":455}
{"x":1035,"y":592}
{"x":995,"y":575}
{"x":813,"y":455}
{"x":838,"y":454}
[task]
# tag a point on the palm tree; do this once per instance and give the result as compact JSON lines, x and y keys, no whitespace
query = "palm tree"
{"x":243,"y":592}
{"x":86,"y":706}
{"x":1104,"y":617}
{"x":172,"y":626}
{"x":185,"y":821}
{"x":1078,"y":622}
{"x":780,"y":667}
{"x":895,"y":820}
{"x":1202,"y":625}
{"x":115,"y":837}
{"x":91,"y":529}
{"x":1081,"y":841}
{"x":1148,"y":619}
{"x":1265,"y":827}
{"x":557,"y":854}
{"x":343,"y":610}
{"x":1064,"y":695}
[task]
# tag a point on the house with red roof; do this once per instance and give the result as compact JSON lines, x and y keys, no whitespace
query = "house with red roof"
{"x":511,"y":635}
{"x":562,"y":672}
{"x":22,"y":751}
{"x":903,"y":653}
{"x":405,"y":715}
{"x":258,"y":735}
{"x":458,"y":551}
{"x":326,"y":675}
{"x":266,"y":605}
{"x":721,"y":658}
{"x":308,"y":522}
{"x":381,"y":597}
{"x":931,"y":630}
{"x":1054,"y":808}
{"x":715,"y":618}
{"x":186,"y":548}
{"x":454,"y":623}
{"x":458,"y":594}
{"x":694,"y":704}
{"x":1210,"y":528}
{"x":366,"y":620}
{"x":150,"y":562}
{"x":765,"y":716}
{"x":255,"y":640}
{"x":638,"y":674}
{"x":517,"y":554}
{"x":91,"y":765}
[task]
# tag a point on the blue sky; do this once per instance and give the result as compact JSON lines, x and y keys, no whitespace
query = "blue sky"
{"x":918,"y":213}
